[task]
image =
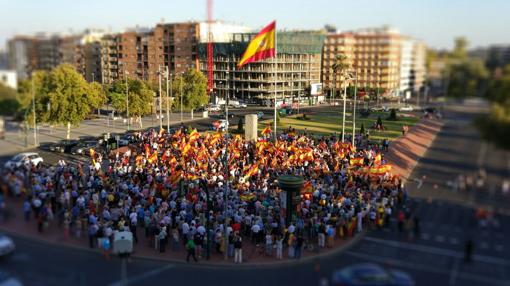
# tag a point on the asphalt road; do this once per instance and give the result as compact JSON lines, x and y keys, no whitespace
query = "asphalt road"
{"x":458,"y":149}
{"x":435,"y":257}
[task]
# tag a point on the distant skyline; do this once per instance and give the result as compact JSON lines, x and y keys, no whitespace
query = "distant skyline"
{"x":436,"y":22}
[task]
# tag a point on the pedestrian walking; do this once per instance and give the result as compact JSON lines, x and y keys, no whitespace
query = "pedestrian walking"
{"x":299,"y":247}
{"x":279,"y":247}
{"x":238,"y":249}
{"x":468,"y":250}
{"x":190,"y":248}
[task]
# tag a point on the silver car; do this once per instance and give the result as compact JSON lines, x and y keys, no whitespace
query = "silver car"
{"x":6,"y":245}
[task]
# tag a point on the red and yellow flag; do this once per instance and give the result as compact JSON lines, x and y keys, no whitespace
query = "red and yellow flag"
{"x":153,"y":158}
{"x":263,"y":46}
{"x":267,"y":130}
{"x":194,"y":135}
{"x":359,"y":161}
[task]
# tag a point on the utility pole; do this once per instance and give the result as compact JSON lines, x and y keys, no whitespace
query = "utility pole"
{"x":343,"y":115}
{"x":33,"y":112}
{"x":167,"y":101}
{"x":354,"y":109}
{"x":181,"y":95}
{"x":225,"y":195}
{"x":127,"y":99}
{"x":160,"y":113}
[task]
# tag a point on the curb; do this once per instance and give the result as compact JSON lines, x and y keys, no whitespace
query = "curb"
{"x":203,"y":263}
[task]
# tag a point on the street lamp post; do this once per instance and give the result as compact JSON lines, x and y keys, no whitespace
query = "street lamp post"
{"x":182,"y":74}
{"x":343,"y":115}
{"x":33,"y":112}
{"x":127,"y":99}
{"x":159,"y":104}
{"x":354,"y":109}
{"x":167,"y":100}
{"x":225,"y":196}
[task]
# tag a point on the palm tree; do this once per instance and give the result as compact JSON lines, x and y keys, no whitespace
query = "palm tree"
{"x":339,"y":66}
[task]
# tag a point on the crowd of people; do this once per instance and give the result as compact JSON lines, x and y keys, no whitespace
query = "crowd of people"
{"x":182,"y":189}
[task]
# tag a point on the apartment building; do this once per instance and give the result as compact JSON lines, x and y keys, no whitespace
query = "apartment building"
{"x":378,"y":58}
{"x":21,"y":55}
{"x":291,"y":74}
{"x":140,"y":54}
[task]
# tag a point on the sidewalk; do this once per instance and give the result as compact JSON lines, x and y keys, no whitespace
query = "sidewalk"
{"x":252,"y":255}
{"x":405,"y":152}
{"x":15,"y":138}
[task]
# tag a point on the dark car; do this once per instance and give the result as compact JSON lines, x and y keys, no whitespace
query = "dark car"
{"x":223,"y":116}
{"x":64,"y":146}
{"x":47,"y":146}
{"x":82,"y":148}
{"x":370,"y":274}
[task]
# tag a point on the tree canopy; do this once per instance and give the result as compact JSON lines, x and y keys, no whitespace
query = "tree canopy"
{"x":194,"y":87}
{"x":9,"y":103}
{"x":61,"y":96}
{"x":140,"y":97}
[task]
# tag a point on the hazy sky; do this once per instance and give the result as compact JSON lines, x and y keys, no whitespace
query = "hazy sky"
{"x":436,"y":22}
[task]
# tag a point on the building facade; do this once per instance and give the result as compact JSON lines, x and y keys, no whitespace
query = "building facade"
{"x":22,"y":56}
{"x":289,"y":75}
{"x":378,"y":58}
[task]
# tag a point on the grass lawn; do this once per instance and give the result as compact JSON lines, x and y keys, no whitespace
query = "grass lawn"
{"x":328,"y":122}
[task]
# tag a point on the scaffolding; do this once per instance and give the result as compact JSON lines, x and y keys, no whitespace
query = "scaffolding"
{"x":295,"y":68}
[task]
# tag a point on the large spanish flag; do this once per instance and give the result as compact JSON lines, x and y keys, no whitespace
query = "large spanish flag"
{"x":263,"y":46}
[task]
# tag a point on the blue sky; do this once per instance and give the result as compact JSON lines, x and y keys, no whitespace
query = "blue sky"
{"x":436,"y":22}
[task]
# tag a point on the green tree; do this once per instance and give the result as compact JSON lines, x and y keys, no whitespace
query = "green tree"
{"x":466,"y":78}
{"x":140,"y":98}
{"x":9,"y":103}
{"x":460,"y":49}
{"x":339,"y":66}
{"x":499,"y":87}
{"x":192,"y":87}
{"x":62,"y":96}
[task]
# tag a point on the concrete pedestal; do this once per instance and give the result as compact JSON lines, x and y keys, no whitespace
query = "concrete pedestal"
{"x":250,"y":129}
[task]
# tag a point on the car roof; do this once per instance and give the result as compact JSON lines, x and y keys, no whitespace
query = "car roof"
{"x":27,"y":154}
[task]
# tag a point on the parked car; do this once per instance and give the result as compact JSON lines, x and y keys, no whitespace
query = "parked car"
{"x":214,"y":108}
{"x":260,"y":115}
{"x":23,"y":158}
{"x":6,"y":246}
{"x":7,"y":280}
{"x":47,"y":146}
{"x":370,"y":274}
{"x":406,"y":108}
{"x":64,"y":146}
{"x":82,"y":148}
{"x":223,"y":116}
{"x":241,"y":104}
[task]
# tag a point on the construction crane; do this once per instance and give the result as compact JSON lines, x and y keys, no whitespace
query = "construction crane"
{"x":209,"y":48}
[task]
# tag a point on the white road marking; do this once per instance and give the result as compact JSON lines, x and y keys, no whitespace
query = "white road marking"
{"x":439,"y":238}
{"x":136,"y":279}
{"x":438,"y":251}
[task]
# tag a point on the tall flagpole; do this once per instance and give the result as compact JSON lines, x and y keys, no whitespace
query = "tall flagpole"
{"x":274,"y":73}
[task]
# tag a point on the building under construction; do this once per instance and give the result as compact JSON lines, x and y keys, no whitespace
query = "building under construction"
{"x":295,"y":72}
